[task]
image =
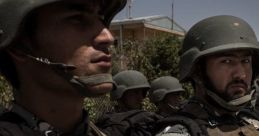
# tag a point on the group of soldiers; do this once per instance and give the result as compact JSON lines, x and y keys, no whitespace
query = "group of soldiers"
{"x":133,"y":87}
{"x":55,"y":53}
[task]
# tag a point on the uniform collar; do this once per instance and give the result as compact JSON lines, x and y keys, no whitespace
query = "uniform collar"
{"x":44,"y":127}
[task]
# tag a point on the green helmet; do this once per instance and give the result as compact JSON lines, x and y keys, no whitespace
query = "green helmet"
{"x":162,"y":86}
{"x":128,"y":80}
{"x":13,"y":13}
{"x":211,"y":35}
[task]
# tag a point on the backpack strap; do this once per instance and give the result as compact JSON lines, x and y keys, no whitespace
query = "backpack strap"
{"x":94,"y":130}
{"x":12,"y":118}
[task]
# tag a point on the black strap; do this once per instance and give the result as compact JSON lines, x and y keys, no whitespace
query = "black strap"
{"x":249,"y":111}
{"x":12,"y":118}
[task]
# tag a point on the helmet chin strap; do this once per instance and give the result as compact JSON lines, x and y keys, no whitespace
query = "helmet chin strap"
{"x":81,"y":83}
{"x":176,"y":108}
{"x":233,"y":105}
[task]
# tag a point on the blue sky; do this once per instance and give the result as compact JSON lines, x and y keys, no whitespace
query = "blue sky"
{"x":189,"y":12}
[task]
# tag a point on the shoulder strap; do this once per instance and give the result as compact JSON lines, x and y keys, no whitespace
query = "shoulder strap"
{"x":249,"y":112}
{"x":95,"y":130}
{"x":12,"y":118}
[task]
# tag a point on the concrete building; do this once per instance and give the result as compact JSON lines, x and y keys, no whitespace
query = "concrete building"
{"x":143,"y":28}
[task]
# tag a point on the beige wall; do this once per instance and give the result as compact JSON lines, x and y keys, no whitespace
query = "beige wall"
{"x":137,"y":32}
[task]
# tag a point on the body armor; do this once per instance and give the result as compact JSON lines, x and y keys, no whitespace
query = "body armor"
{"x":199,"y":119}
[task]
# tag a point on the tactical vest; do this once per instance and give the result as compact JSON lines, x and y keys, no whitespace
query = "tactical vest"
{"x":18,"y":122}
{"x":130,"y":123}
{"x":200,"y":121}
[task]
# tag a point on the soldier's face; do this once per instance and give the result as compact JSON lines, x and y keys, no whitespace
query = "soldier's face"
{"x":73,"y":33}
{"x":133,"y":98}
{"x":230,"y":73}
{"x":174,"y":98}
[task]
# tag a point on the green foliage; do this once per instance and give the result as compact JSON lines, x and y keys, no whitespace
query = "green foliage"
{"x":5,"y":92}
{"x":155,"y":57}
{"x":162,"y":57}
{"x":148,"y":106}
{"x":97,"y":106}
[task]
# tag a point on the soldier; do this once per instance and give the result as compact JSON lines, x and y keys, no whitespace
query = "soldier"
{"x":55,"y":53}
{"x":218,"y":57}
{"x":132,"y":87}
{"x":167,"y":94}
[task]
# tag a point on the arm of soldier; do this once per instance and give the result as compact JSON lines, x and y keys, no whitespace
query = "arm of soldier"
{"x":175,"y":130}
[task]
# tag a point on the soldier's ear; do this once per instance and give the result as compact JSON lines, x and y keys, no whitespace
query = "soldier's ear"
{"x":20,"y":48}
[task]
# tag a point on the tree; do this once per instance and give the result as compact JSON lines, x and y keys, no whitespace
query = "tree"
{"x":155,"y":57}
